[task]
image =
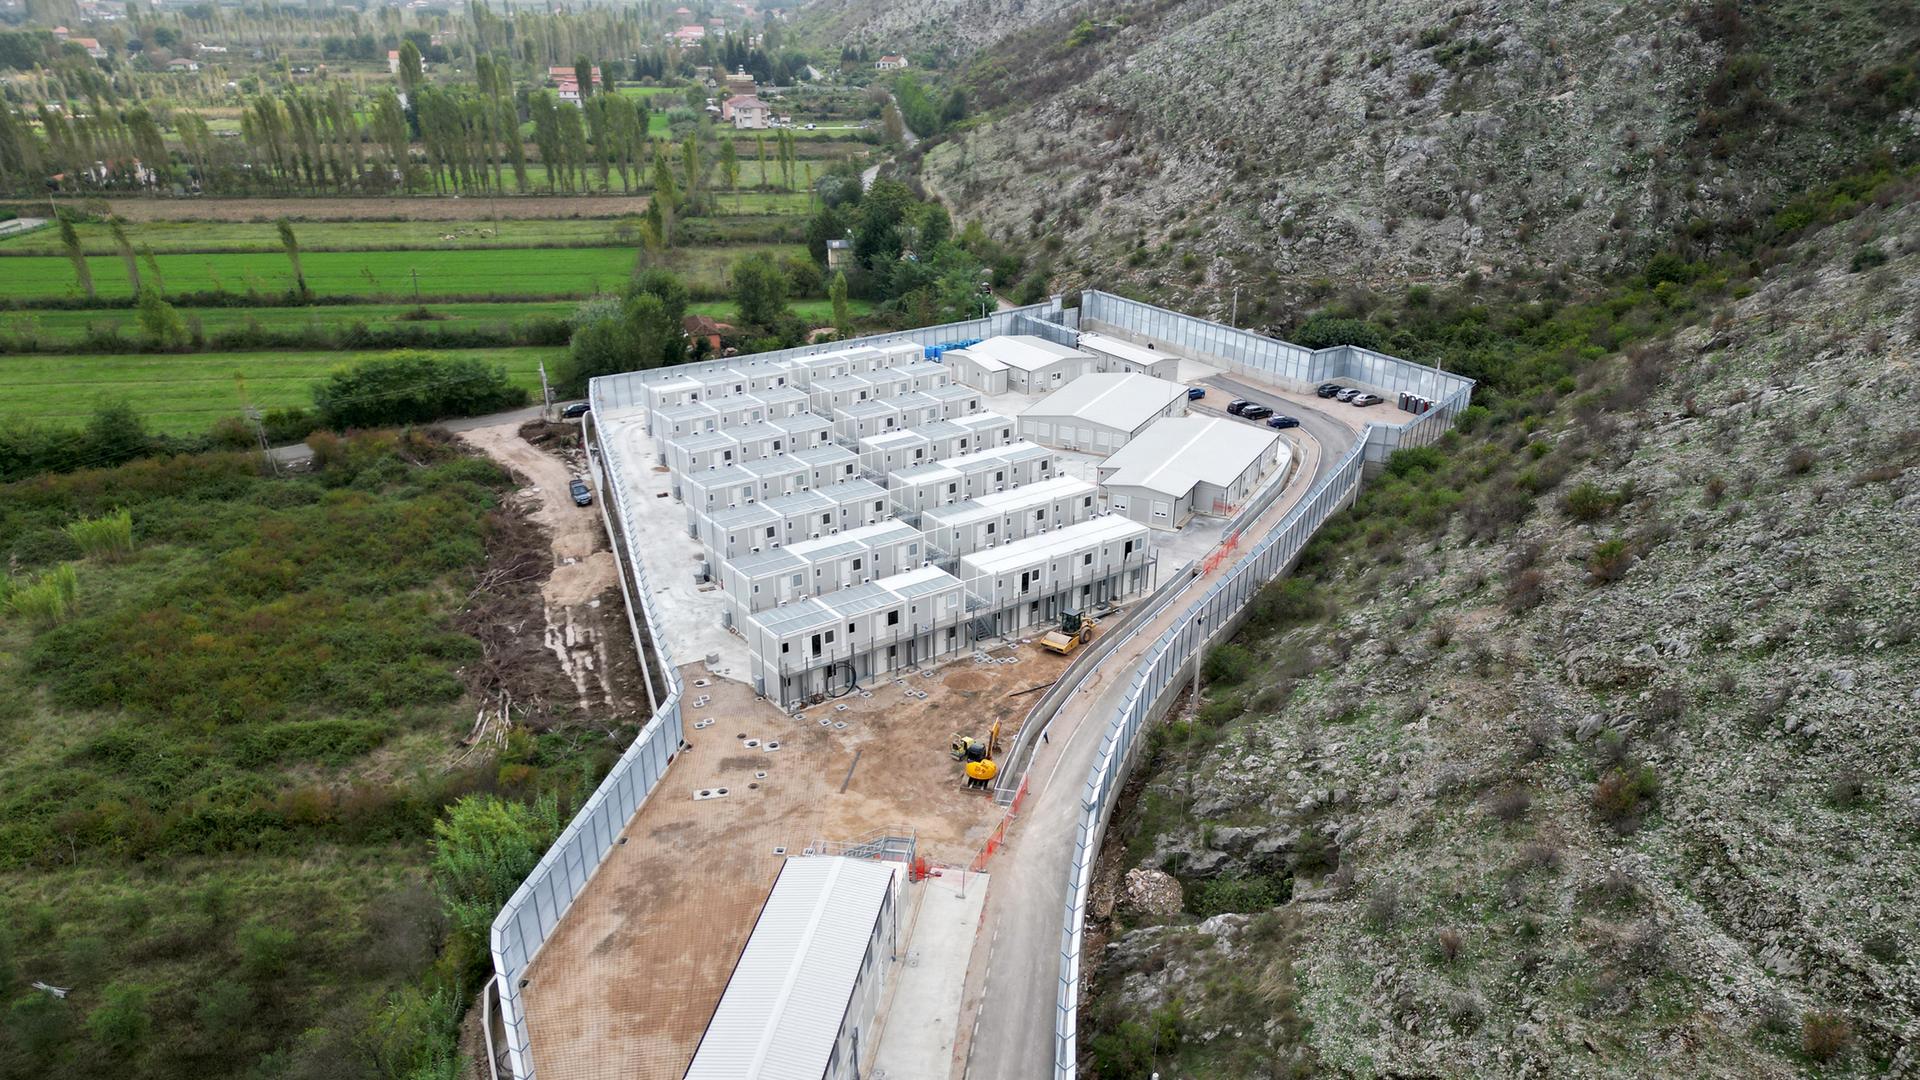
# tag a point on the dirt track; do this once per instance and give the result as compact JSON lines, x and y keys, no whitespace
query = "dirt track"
{"x":423,"y":208}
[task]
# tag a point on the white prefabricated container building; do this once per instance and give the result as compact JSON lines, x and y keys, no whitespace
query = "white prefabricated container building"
{"x":801,"y":1001}
{"x":835,"y":642}
{"x":1190,"y":465}
{"x":1034,"y":581}
{"x":1033,"y":365}
{"x":991,"y":520}
{"x":817,"y":567}
{"x":1112,"y":354}
{"x":969,"y":476}
{"x":1100,"y":413}
{"x":978,"y":370}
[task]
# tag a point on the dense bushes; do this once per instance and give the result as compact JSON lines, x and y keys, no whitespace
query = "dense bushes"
{"x":412,"y":388}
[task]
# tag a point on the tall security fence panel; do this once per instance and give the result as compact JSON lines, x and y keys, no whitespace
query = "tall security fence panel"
{"x":1154,"y":686}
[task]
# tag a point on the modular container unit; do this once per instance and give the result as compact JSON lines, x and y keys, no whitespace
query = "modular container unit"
{"x":1034,"y":581}
{"x":978,"y":370}
{"x":916,"y":408}
{"x":895,"y":450}
{"x":680,"y":421}
{"x":956,"y":400}
{"x":1033,"y":365}
{"x":835,"y":643}
{"x":864,"y":420}
{"x":992,"y":520}
{"x":925,"y":375}
{"x":1112,"y":354}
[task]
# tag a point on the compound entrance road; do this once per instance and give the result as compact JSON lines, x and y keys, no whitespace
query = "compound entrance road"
{"x":1007,"y":1024}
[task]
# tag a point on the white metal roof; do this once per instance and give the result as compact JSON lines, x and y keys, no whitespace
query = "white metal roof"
{"x":999,"y":503}
{"x":1120,"y":400}
{"x":1047,"y":545}
{"x":1023,"y":351}
{"x":1176,"y":453}
{"x":979,"y":359}
{"x":1125,"y":350}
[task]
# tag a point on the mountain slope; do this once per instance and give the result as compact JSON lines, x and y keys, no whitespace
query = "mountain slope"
{"x":1189,"y":147}
{"x":1622,"y":788}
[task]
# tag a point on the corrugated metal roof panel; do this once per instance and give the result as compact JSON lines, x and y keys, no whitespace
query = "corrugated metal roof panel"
{"x":780,"y":1015}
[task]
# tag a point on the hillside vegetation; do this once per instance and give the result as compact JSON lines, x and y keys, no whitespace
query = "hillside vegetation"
{"x":1186,"y":148}
{"x":238,"y":825}
{"x":1579,"y":746}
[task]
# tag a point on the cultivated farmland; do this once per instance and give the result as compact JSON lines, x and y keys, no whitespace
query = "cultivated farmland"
{"x":187,"y":394}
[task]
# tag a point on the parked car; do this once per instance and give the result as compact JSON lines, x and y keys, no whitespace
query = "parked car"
{"x":1195,"y":393}
{"x":1364,"y":400}
{"x":1328,"y":389}
{"x":582,"y":495}
{"x":809,"y":127}
{"x":1256,"y":412}
{"x":1348,"y":393}
{"x":575,"y":411}
{"x":1283,"y":422}
{"x":1235,"y":406}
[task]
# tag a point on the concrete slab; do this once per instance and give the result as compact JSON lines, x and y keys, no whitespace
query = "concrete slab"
{"x":919,"y":1027}
{"x":690,"y":613}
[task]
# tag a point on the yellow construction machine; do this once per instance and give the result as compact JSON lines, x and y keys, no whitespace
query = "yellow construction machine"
{"x":978,"y":756}
{"x":1075,"y":630}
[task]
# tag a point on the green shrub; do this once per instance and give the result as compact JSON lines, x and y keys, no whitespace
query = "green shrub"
{"x":1227,"y":665}
{"x":1239,"y":895}
{"x":1609,"y":561}
{"x":1624,"y":795}
{"x":1867,"y":258}
{"x":1326,"y":331}
{"x":1588,"y":502}
{"x":48,"y":599}
{"x":107,"y":537}
{"x":413,"y":388}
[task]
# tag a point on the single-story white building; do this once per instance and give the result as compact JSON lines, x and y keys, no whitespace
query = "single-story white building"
{"x":800,"y":1004}
{"x":1100,"y":413}
{"x":1190,"y":465}
{"x":1033,"y":365}
{"x":1117,"y":355}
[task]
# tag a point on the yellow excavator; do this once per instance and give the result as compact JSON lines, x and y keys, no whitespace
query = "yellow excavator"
{"x":1075,"y":630}
{"x":978,"y":756}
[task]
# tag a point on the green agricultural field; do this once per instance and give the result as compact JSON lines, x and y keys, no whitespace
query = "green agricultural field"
{"x":60,"y":326}
{"x":186,"y":394}
{"x":528,"y":272}
{"x":176,"y":237}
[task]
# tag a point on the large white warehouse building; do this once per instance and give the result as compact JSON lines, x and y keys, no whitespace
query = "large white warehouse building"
{"x":1017,"y":363}
{"x":1100,"y":413}
{"x":1189,"y":465}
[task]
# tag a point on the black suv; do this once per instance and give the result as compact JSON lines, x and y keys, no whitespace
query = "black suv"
{"x":1328,"y":389}
{"x":582,"y":495}
{"x":575,"y":411}
{"x":1256,"y":412}
{"x":1237,"y":407}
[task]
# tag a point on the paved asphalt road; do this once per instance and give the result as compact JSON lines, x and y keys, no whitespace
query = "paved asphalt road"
{"x":1015,"y":998}
{"x":300,"y":451}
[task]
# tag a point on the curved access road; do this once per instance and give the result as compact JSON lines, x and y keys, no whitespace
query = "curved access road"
{"x":1006,"y":1023}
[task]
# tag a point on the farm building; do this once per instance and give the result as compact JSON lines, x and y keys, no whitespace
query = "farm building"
{"x":1035,"y":580}
{"x":801,"y":1001}
{"x":991,"y":520}
{"x":1189,"y":465}
{"x":1100,"y":413}
{"x":832,"y":643}
{"x":1116,"y":356}
{"x":1017,"y":363}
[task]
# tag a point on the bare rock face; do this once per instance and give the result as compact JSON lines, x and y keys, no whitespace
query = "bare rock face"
{"x":1150,"y":892}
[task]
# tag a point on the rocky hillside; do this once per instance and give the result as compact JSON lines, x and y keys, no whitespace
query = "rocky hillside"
{"x":1185,"y":147}
{"x":1586,"y":748}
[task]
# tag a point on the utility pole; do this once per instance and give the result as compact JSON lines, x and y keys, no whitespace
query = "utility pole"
{"x":415,"y":271}
{"x":546,"y":394}
{"x":1234,"y":319}
{"x":1200,"y":638}
{"x":259,"y":429}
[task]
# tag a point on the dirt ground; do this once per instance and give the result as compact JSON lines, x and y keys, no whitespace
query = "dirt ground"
{"x":626,"y":985}
{"x":421,"y":208}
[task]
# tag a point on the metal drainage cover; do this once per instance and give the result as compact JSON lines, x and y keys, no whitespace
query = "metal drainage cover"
{"x":761,"y":775}
{"x":824,"y":722}
{"x":800,"y":716}
{"x":780,"y":850}
{"x":770,"y":747}
{"x":840,"y":708}
{"x":709,"y":793}
{"x":751,"y":743}
{"x":698,"y":724}
{"x":840,"y":724}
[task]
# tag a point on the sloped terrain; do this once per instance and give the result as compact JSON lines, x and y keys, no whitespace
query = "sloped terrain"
{"x":1612,"y":778}
{"x":1190,"y":148}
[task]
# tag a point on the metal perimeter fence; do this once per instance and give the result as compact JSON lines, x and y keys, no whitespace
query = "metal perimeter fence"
{"x":542,"y":900}
{"x":538,"y":905}
{"x":1215,"y":615}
